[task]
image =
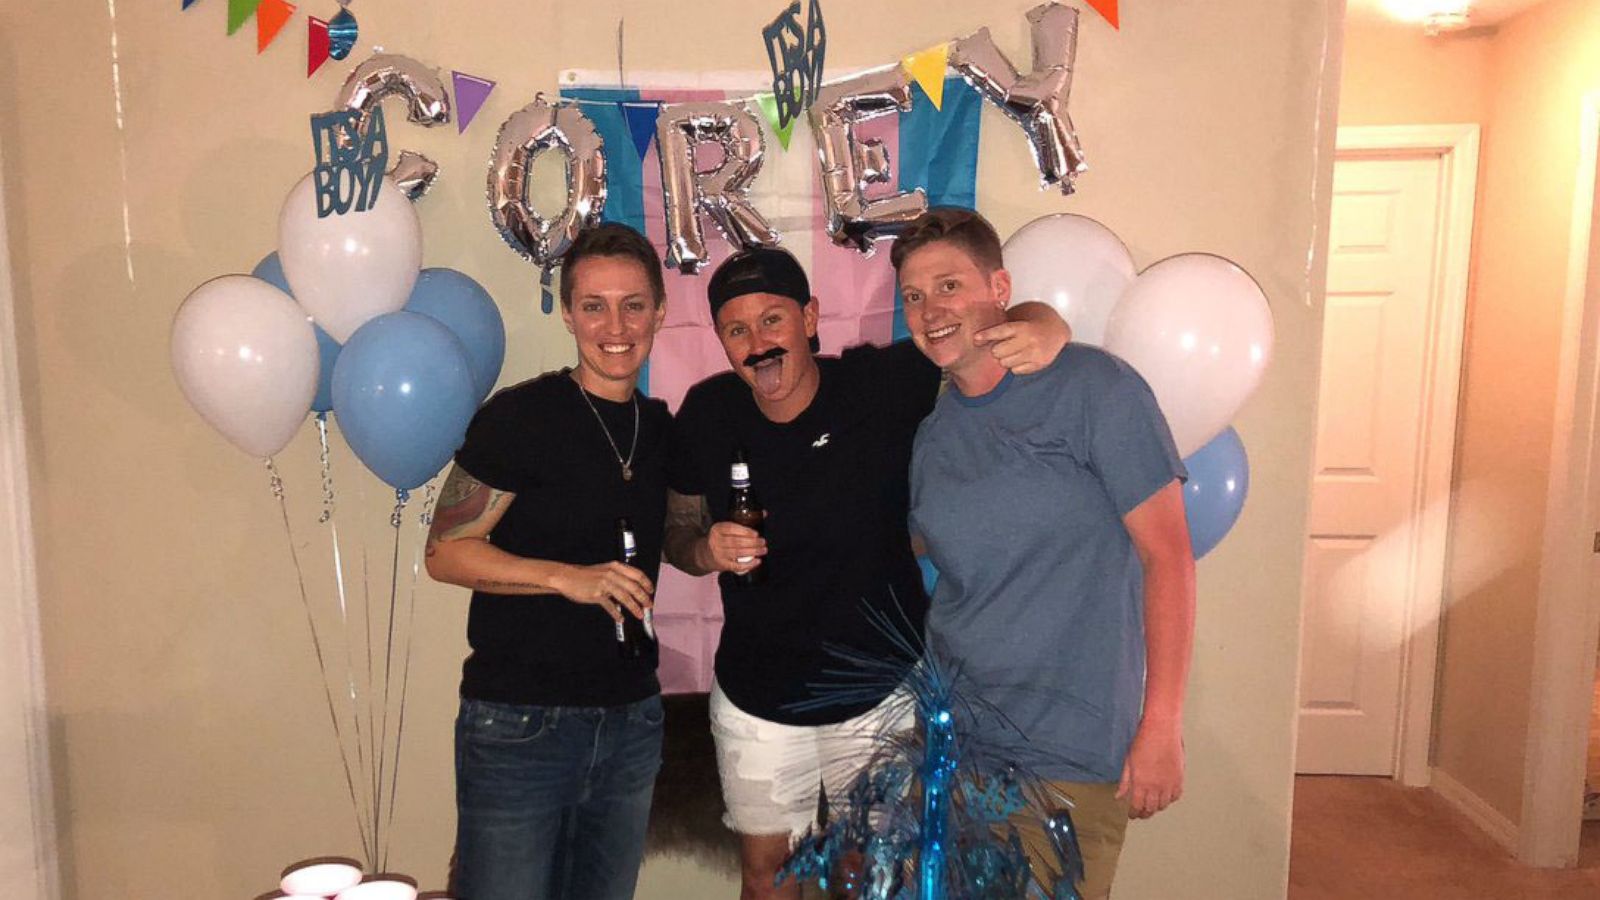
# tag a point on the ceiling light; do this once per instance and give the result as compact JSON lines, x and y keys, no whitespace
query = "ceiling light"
{"x":1434,"y":15}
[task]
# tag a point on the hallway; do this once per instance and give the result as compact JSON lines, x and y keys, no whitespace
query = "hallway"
{"x":1364,"y":838}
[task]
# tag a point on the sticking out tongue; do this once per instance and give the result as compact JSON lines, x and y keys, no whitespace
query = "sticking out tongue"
{"x":769,"y":376}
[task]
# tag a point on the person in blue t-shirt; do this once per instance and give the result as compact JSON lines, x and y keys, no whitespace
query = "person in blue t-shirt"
{"x":1052,"y":505}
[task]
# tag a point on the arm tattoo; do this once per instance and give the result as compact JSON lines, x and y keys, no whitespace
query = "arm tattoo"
{"x":463,"y":501}
{"x":458,"y":487}
{"x":691,"y":513}
{"x":492,"y":586}
{"x":688,"y":520}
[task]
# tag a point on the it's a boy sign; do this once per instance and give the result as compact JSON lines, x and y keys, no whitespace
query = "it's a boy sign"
{"x":352,"y":151}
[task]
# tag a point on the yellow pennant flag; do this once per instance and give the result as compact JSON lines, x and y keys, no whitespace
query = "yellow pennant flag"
{"x":926,"y":68}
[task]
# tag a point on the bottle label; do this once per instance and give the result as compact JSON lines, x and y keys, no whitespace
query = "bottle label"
{"x":629,"y":548}
{"x":741,"y":475}
{"x":620,"y":635}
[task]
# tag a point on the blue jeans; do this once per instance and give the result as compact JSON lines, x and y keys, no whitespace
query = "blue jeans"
{"x":552,"y":801}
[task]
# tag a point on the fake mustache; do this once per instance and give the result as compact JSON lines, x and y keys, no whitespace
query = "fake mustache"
{"x":755,"y":359}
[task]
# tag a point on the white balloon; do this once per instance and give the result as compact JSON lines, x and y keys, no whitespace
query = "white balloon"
{"x":382,"y":889}
{"x":1198,"y":328}
{"x":320,"y":879}
{"x":347,"y":269}
{"x":246,"y":357}
{"x":1075,"y":264}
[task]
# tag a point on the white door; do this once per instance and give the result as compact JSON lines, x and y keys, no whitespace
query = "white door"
{"x":1365,"y":496}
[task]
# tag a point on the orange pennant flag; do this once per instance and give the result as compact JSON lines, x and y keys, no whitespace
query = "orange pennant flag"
{"x":1108,"y":9}
{"x":271,"y":16}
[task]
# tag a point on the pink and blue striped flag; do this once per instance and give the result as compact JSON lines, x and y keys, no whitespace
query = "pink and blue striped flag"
{"x":935,"y":149}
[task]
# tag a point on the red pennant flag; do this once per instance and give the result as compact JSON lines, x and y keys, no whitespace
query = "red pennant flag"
{"x":271,"y":16}
{"x":1108,"y":9}
{"x":317,"y":46}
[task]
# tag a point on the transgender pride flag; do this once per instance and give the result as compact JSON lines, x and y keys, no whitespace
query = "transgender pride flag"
{"x":934,"y":149}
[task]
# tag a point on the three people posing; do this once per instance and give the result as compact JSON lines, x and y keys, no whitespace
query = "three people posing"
{"x":558,"y":735}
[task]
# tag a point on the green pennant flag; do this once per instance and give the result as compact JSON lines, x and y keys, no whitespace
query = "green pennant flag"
{"x":239,"y":11}
{"x":769,"y":111}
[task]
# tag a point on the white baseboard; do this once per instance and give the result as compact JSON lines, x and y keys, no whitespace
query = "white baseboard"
{"x":1492,"y":821}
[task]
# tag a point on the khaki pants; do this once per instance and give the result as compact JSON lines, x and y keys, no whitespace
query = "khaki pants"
{"x":1101,"y":821}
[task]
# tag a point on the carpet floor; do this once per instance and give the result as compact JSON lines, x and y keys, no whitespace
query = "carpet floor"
{"x":1371,"y":838}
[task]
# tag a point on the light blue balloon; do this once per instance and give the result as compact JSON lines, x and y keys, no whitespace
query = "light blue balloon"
{"x":1213,"y":497}
{"x":464,"y":307}
{"x":403,"y":393}
{"x":270,"y":270}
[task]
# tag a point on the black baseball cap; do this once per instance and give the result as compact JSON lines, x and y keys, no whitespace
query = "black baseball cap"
{"x":762,"y":270}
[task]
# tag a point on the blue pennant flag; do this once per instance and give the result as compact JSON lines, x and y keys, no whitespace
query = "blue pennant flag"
{"x":641,"y":123}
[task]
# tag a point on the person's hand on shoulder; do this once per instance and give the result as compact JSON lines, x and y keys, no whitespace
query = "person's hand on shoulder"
{"x":1031,"y":340}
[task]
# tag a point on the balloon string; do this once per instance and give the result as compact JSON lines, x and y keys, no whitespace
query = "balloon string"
{"x":424,"y":521}
{"x":395,"y":519}
{"x":372,"y":713}
{"x":276,"y":482}
{"x":329,"y":516}
{"x":547,"y":303}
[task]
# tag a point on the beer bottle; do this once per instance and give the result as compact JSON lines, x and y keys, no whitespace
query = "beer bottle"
{"x":743,"y":509}
{"x":634,"y":636}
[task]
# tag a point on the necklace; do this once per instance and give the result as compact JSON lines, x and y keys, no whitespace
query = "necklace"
{"x":626,"y":464}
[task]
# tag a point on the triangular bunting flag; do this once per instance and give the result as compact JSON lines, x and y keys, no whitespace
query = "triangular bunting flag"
{"x":1108,"y":9}
{"x":270,"y":19}
{"x":317,"y":44}
{"x":471,"y":91}
{"x":768,"y":104}
{"x":238,"y":11}
{"x":188,"y":3}
{"x":641,"y":124}
{"x":927,"y":70}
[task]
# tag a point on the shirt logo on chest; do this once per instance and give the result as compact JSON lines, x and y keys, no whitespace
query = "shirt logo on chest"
{"x":820,"y":442}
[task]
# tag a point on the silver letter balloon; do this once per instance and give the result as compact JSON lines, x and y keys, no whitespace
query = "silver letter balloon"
{"x":428,"y":105}
{"x":530,"y":131}
{"x":849,"y":164}
{"x":1038,"y":102}
{"x":723,"y":192}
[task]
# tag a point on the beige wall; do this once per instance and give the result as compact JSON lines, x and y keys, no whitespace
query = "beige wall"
{"x":1541,"y":65}
{"x":189,"y":727}
{"x":1395,"y":75}
{"x":1525,"y":84}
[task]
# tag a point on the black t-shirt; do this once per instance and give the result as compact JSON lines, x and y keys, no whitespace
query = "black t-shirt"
{"x":540,"y":441}
{"x":834,"y":484}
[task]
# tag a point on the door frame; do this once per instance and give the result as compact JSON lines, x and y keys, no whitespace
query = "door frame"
{"x":1456,"y":148}
{"x":1567,"y":630}
{"x":21,"y":654}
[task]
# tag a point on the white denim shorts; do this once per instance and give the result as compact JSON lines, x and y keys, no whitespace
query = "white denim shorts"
{"x":771,"y":772}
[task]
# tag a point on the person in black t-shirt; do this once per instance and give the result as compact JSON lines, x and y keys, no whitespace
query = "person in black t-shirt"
{"x":828,"y":444}
{"x":558,"y":739}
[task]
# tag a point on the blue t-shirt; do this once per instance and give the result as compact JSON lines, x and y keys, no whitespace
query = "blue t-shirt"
{"x":1019,"y":495}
